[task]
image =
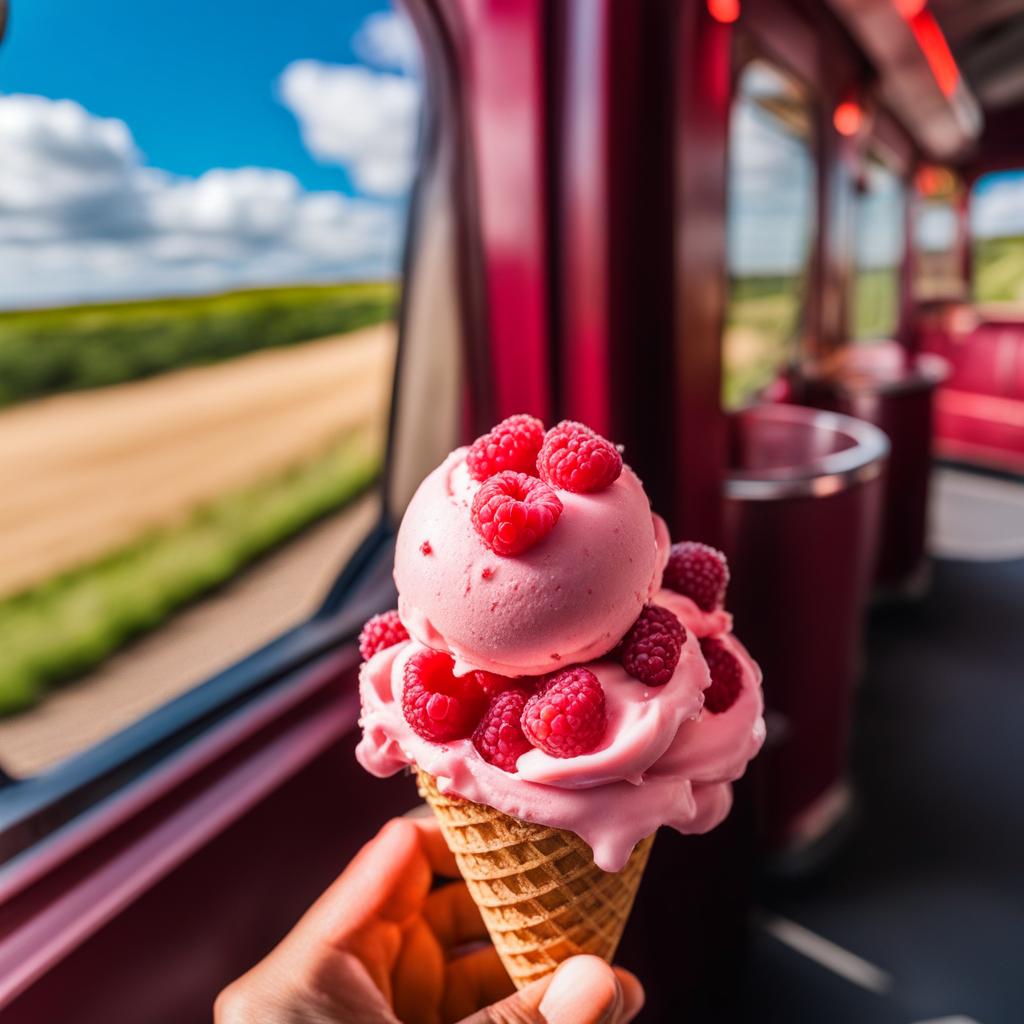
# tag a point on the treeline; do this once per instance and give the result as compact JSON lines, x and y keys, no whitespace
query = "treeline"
{"x":47,"y":351}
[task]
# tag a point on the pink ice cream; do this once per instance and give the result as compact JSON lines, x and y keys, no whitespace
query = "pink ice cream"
{"x":663,"y":759}
{"x":565,"y":601}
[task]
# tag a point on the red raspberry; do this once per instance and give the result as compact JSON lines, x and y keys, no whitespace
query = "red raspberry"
{"x":567,"y":716}
{"x":699,"y":572}
{"x":437,"y":704}
{"x":382,"y":631}
{"x":492,"y":684}
{"x":726,"y":675}
{"x":512,"y":445}
{"x":575,"y":458}
{"x":499,"y":736}
{"x":650,"y":650}
{"x":513,"y":511}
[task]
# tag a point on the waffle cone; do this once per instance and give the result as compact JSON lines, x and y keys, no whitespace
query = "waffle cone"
{"x":542,"y":897}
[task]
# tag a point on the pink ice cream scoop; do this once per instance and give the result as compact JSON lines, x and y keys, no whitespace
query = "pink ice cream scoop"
{"x":573,"y":633}
{"x":567,"y":600}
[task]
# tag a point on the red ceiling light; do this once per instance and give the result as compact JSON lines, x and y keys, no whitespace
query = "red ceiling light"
{"x":910,"y":8}
{"x":848,"y":117}
{"x":932,"y":42}
{"x":935,"y":182}
{"x":725,"y":11}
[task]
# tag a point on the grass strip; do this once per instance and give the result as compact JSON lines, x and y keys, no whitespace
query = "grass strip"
{"x":68,"y":625}
{"x":46,"y":351}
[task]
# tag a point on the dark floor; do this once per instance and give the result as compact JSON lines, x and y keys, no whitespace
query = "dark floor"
{"x":929,"y":887}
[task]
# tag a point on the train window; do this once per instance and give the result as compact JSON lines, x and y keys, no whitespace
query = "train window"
{"x":878,"y":254}
{"x":937,"y":263}
{"x":197,"y":341}
{"x":771,"y":227}
{"x":997,"y":237}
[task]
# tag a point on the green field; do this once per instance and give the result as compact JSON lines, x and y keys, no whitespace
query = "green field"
{"x":999,"y":269}
{"x":68,"y":625}
{"x":761,"y":322}
{"x":876,"y":295}
{"x":48,"y":351}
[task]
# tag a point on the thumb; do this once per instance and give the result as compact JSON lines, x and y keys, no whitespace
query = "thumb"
{"x":584,"y":990}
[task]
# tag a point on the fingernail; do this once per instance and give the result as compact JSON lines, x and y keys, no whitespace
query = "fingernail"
{"x":583,"y":991}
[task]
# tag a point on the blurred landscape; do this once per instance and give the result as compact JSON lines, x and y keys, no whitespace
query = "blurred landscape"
{"x":145,"y":479}
{"x":200,"y":274}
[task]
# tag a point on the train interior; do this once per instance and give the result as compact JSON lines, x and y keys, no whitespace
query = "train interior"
{"x":751,"y":240}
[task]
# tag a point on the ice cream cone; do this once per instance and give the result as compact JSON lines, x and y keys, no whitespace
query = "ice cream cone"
{"x":542,"y":897}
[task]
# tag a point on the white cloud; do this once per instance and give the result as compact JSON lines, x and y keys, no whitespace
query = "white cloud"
{"x":386,"y":39}
{"x":997,"y":207}
{"x":82,"y":217}
{"x":364,"y":120}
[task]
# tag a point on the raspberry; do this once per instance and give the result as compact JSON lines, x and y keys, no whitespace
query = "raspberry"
{"x":384,"y":630}
{"x":513,"y":511}
{"x":512,"y":445}
{"x":499,"y":736}
{"x":699,"y":572}
{"x":567,"y":716}
{"x":650,"y":650}
{"x":437,"y":704}
{"x":492,"y":684}
{"x":726,"y":675}
{"x":575,"y":458}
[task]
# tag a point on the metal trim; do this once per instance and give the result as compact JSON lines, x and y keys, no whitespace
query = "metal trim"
{"x":820,"y":478}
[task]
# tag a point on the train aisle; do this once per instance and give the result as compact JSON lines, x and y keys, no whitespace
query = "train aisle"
{"x":917,"y":919}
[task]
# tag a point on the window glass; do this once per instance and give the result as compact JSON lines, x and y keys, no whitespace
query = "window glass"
{"x":202,"y":212}
{"x":771,"y":226}
{"x":997,"y":237}
{"x":937,"y":273}
{"x":878,"y":254}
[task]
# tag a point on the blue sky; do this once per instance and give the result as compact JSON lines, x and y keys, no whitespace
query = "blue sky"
{"x":158,"y":148}
{"x":193,"y":80}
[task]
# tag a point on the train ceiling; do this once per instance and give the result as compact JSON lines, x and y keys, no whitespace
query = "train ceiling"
{"x":987,"y":37}
{"x":947,"y":68}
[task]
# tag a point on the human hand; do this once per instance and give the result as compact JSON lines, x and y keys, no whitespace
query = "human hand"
{"x":379,"y":947}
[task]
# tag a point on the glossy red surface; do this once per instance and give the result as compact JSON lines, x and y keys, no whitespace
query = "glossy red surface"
{"x":979,"y":411}
{"x":882,"y":385}
{"x":800,"y":573}
{"x":500,"y":52}
{"x":584,"y":201}
{"x":197,"y":869}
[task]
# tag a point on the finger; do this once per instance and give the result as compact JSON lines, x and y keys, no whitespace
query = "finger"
{"x":633,"y":997}
{"x":418,"y":976}
{"x":474,"y":980}
{"x":387,"y":881}
{"x":435,"y":847}
{"x":453,"y":916}
{"x":584,"y":990}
